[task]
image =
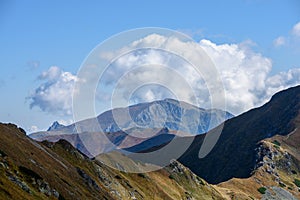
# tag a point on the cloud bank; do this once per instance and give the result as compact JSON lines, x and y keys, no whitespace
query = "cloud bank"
{"x":244,"y":73}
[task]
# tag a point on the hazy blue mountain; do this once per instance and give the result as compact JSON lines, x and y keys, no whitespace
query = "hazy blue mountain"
{"x":126,"y":127}
{"x":55,"y":125}
{"x":167,"y":113}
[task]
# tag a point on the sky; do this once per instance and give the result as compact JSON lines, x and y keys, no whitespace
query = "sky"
{"x":43,"y":45}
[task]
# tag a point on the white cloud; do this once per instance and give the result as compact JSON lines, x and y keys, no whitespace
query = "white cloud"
{"x":245,"y":75}
{"x":244,"y":72}
{"x":292,"y":39}
{"x":296,"y":30}
{"x":280,"y":41}
{"x":33,"y":129}
{"x":65,"y":122}
{"x":54,"y":95}
{"x":282,"y":81}
{"x":164,"y":74}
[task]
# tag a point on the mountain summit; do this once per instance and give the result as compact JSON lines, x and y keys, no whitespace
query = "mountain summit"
{"x":168,"y":113}
{"x":55,"y":125}
{"x":126,"y":127}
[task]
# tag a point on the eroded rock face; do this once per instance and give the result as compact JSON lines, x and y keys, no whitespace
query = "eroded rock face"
{"x":272,"y":159}
{"x":278,"y":170}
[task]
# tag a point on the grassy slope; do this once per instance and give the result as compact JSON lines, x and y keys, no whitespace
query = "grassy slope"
{"x":58,"y":173}
{"x":74,"y":176}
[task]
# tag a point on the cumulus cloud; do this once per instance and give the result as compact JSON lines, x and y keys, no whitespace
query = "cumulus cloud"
{"x":245,"y":73}
{"x":54,"y":95}
{"x":280,"y":41}
{"x":282,"y":81}
{"x":152,"y":74}
{"x":147,"y":75}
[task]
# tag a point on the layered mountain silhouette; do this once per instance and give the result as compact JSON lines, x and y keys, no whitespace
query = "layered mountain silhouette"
{"x":256,"y":157}
{"x":234,"y":154}
{"x":168,"y":113}
{"x":127,"y":127}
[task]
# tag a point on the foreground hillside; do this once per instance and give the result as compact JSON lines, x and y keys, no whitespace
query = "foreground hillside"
{"x":32,"y":170}
{"x":234,"y":155}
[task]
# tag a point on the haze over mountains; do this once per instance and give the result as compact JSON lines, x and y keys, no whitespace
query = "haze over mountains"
{"x":168,"y":113}
{"x":126,"y":127}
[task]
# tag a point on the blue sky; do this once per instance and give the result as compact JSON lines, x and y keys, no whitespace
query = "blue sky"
{"x":36,"y":35}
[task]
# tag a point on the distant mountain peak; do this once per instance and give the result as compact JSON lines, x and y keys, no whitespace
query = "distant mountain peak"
{"x":169,"y":113}
{"x":141,"y":121}
{"x":55,"y":125}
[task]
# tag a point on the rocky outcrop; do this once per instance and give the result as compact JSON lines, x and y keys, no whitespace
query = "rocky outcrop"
{"x":272,"y":158}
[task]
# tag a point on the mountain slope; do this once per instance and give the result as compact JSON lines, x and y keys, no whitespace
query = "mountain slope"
{"x":234,"y":154}
{"x":32,"y":170}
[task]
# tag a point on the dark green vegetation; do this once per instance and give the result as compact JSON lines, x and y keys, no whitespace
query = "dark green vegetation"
{"x":297,"y":182}
{"x":275,"y":142}
{"x":262,"y":190}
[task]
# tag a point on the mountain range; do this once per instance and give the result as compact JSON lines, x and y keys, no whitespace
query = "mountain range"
{"x":257,"y":156}
{"x":127,"y":127}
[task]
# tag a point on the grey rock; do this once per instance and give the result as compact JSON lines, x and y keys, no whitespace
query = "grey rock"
{"x":277,"y":193}
{"x":20,"y":183}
